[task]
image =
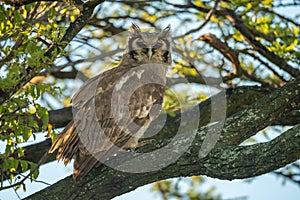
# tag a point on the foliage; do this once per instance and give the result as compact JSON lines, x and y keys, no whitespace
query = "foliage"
{"x":25,"y":35}
{"x":184,"y":189}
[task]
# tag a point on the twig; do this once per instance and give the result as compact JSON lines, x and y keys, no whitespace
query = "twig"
{"x":207,"y":19}
{"x":37,"y":181}
{"x":42,"y":160}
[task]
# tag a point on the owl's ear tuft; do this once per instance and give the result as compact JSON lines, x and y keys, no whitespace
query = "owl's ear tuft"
{"x":134,"y":29}
{"x":166,"y":31}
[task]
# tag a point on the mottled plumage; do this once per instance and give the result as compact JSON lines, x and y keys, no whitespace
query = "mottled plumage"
{"x":113,"y":109}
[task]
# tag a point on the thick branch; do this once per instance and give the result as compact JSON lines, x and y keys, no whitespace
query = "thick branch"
{"x":261,"y":114}
{"x":237,"y":99}
{"x":223,"y":163}
{"x":61,"y":117}
{"x":240,"y":162}
{"x":290,"y":119}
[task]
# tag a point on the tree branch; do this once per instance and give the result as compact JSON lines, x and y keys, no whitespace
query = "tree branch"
{"x":54,"y":49}
{"x":61,"y":117}
{"x":240,"y":26}
{"x":228,"y":52}
{"x":238,"y":23}
{"x":223,"y":163}
{"x":234,"y":161}
{"x":237,"y":99}
{"x":18,"y":3}
{"x":261,"y":113}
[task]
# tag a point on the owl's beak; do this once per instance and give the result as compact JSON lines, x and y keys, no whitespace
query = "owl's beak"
{"x":149,"y":53}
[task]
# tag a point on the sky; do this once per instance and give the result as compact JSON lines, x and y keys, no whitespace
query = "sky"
{"x":263,"y":187}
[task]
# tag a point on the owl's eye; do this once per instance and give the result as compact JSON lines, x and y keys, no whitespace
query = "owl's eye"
{"x":140,"y":42}
{"x":158,"y":45}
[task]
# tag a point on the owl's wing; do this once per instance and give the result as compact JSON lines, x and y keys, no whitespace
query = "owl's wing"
{"x":82,"y":135}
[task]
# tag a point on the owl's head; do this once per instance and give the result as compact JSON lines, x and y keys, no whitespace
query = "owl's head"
{"x":148,"y":47}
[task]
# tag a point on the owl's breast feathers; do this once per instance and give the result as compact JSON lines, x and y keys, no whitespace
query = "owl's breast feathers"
{"x":112,"y":109}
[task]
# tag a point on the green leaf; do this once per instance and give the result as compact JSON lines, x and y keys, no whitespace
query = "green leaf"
{"x":10,"y":164}
{"x":17,"y":16}
{"x":52,"y":13}
{"x":26,"y":133}
{"x":36,"y":174}
{"x":42,"y":113}
{"x":32,"y":123}
{"x":20,"y":152}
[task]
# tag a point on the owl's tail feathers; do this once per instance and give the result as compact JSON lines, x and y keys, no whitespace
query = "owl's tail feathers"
{"x":83,"y":164}
{"x":66,"y":143}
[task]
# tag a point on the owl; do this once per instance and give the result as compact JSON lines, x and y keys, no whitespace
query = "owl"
{"x":113,"y":110}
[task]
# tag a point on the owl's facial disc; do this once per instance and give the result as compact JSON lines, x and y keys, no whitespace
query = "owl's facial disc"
{"x":149,"y":49}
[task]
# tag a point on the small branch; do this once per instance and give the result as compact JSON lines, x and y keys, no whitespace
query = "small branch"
{"x":10,"y":55}
{"x":18,"y":3}
{"x":54,"y":50}
{"x":211,"y":81}
{"x":265,"y":64}
{"x":41,"y":161}
{"x":291,"y":177}
{"x":207,"y":19}
{"x":288,"y":4}
{"x":56,"y":69}
{"x":240,"y":26}
{"x":282,"y":17}
{"x":37,"y":181}
{"x":229,"y":53}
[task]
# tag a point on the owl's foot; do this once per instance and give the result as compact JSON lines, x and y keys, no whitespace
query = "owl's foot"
{"x":139,"y":144}
{"x":145,"y":142}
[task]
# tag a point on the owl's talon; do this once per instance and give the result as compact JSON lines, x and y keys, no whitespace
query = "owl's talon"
{"x":145,"y":142}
